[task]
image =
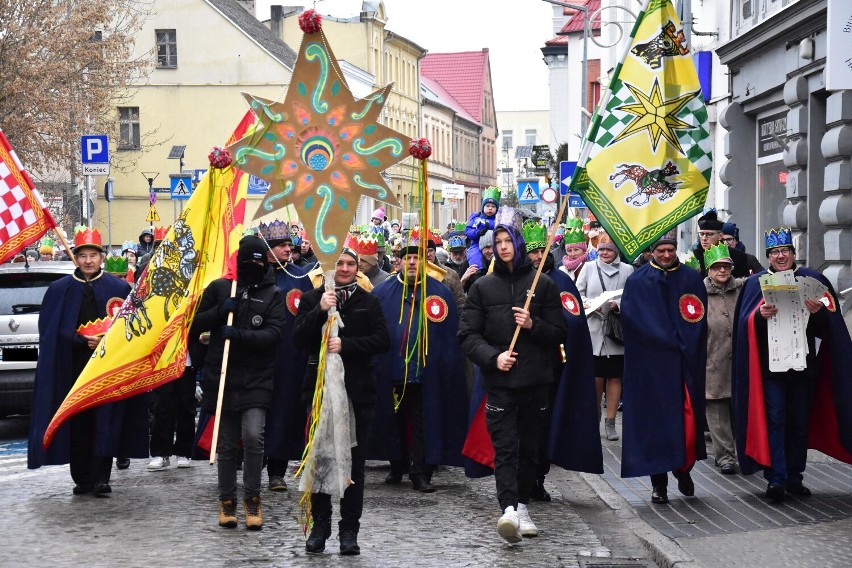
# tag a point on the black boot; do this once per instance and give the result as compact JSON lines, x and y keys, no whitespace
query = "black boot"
{"x":539,"y":493}
{"x":422,"y":484}
{"x":349,"y":542}
{"x":319,"y":534}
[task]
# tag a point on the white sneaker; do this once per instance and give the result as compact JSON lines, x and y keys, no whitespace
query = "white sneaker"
{"x":525,"y":523}
{"x":158,"y":462}
{"x":183,"y":462}
{"x":508,"y":526}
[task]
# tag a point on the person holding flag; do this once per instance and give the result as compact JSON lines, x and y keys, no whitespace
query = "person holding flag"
{"x":75,"y":313}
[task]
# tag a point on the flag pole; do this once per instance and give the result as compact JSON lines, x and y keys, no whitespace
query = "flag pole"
{"x":226,"y":350}
{"x":65,"y":244}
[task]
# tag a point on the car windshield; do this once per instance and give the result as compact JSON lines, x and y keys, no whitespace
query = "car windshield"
{"x":22,"y":292}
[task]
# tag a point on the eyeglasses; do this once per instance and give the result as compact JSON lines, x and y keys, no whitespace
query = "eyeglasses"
{"x":780,"y":251}
{"x":708,"y":234}
{"x":729,"y":239}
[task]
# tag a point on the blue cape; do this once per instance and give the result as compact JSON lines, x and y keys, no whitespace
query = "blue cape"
{"x":442,"y":377}
{"x":121,"y":427}
{"x":830,"y":429}
{"x":285,"y":423}
{"x":665,"y":349}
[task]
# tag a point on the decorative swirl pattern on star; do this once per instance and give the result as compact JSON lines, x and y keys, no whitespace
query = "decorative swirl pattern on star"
{"x":320,"y":149}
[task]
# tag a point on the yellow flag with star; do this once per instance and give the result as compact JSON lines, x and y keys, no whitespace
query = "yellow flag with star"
{"x":647,"y":153}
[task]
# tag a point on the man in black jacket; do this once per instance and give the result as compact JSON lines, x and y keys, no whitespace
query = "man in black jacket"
{"x":254,"y":332}
{"x":364,"y":333}
{"x":516,"y":383}
{"x":710,"y":234}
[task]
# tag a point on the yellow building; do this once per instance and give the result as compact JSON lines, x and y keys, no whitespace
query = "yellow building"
{"x":206,"y":53}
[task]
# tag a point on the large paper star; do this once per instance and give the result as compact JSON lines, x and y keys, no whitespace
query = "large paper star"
{"x":656,"y":115}
{"x":321,"y":149}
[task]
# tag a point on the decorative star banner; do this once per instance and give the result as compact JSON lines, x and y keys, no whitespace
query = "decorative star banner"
{"x":648,"y":149}
{"x":321,"y":149}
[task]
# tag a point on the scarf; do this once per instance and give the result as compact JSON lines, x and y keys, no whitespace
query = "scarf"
{"x":343,"y":293}
{"x":572,"y":265}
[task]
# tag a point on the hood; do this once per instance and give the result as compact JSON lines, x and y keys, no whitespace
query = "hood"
{"x":518,"y":242}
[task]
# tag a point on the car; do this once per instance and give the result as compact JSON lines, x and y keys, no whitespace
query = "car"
{"x":22,"y":288}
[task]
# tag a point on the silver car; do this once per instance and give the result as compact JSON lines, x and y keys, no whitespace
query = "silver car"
{"x":22,"y":288}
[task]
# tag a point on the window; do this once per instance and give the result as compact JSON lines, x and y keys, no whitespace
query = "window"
{"x":507,"y":140}
{"x":128,"y":128}
{"x":531,"y":136}
{"x":166,"y":48}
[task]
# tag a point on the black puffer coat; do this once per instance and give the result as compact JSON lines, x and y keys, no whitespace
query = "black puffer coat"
{"x":488,"y":324}
{"x":260,"y":319}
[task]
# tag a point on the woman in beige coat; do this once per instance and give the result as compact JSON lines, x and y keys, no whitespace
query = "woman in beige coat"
{"x":722,"y":293}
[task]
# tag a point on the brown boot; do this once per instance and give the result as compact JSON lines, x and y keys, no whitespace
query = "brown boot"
{"x":228,"y":513}
{"x":254,"y":513}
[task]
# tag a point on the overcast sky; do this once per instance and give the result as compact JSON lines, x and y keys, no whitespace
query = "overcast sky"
{"x":513,"y":31}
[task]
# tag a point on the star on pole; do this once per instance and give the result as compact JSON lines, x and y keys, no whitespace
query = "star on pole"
{"x":656,"y":115}
{"x":320,"y":149}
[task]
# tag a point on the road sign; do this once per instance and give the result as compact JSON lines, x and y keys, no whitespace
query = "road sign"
{"x":181,"y":186}
{"x":95,"y":169}
{"x":452,"y":191}
{"x":528,"y":190}
{"x":94,"y":149}
{"x":153,"y":216}
{"x":257,"y":186}
{"x":549,"y":195}
{"x":566,"y":170}
{"x":574,"y":200}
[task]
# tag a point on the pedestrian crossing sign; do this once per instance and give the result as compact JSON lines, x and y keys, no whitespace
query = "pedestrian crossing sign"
{"x":528,"y":191}
{"x":153,"y":216}
{"x":181,"y":186}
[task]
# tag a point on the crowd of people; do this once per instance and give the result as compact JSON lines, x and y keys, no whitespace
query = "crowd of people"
{"x":466,"y":358}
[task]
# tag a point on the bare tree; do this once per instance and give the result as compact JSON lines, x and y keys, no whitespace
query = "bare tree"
{"x":64,"y":68}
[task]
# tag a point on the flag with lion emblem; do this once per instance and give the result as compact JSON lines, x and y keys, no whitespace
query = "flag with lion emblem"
{"x":646,"y":160}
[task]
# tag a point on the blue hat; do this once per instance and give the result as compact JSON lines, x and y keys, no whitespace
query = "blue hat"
{"x":777,"y":238}
{"x":456,"y":242}
{"x":731,"y":229}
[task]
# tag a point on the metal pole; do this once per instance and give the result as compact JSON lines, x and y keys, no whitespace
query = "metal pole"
{"x":109,"y":222}
{"x":87,"y":201}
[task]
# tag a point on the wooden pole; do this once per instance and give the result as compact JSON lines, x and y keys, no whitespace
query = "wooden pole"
{"x":225,"y":352}
{"x":59,"y":234}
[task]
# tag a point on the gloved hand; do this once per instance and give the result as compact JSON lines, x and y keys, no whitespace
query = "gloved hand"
{"x":230,"y":332}
{"x":227,"y":307}
{"x":483,"y":230}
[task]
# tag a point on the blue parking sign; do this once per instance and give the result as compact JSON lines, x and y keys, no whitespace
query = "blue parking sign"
{"x":94,"y":149}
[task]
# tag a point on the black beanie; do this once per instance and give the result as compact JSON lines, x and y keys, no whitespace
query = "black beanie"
{"x":251,"y":248}
{"x":710,"y":221}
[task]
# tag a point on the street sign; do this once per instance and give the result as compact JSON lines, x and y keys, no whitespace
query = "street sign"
{"x":528,"y":190}
{"x":540,"y":155}
{"x":94,"y":149}
{"x":549,"y":195}
{"x":95,"y":169}
{"x":574,"y":200}
{"x":452,"y":191}
{"x":153,"y":216}
{"x":108,"y":189}
{"x":181,"y":186}
{"x":566,"y":170}
{"x":257,"y":186}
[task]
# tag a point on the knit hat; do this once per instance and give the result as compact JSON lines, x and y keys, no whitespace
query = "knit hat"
{"x":251,"y":248}
{"x":731,"y":229}
{"x":486,"y":240}
{"x":608,"y":245}
{"x":669,"y":238}
{"x":379,"y":214}
{"x":710,"y":221}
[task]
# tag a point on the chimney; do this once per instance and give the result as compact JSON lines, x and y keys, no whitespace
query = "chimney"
{"x":276,"y":23}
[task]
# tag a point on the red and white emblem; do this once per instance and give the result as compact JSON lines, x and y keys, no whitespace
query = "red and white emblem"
{"x":436,"y":308}
{"x":691,"y":308}
{"x":828,"y":300}
{"x":570,"y":303}
{"x":113,"y":306}
{"x":293,"y":298}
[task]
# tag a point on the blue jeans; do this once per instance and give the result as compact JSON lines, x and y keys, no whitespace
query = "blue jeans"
{"x":248,"y":424}
{"x":787,"y":397}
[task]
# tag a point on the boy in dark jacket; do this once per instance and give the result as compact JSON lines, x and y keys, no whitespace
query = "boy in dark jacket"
{"x":517,"y":383}
{"x":364,"y":333}
{"x":254,"y":332}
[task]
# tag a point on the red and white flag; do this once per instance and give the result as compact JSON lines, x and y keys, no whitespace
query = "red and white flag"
{"x":23,"y":215}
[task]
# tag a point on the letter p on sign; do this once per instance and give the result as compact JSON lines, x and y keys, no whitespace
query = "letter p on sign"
{"x":95,"y":149}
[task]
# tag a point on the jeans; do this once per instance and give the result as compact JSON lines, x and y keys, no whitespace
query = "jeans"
{"x":515,"y":418}
{"x":248,"y":424}
{"x":410,"y":414}
{"x":352,"y":503}
{"x":787,"y":397}
{"x":173,"y":425}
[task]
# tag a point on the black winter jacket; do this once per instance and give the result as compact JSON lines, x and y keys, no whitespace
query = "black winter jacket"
{"x":488,"y":324}
{"x":260,"y":319}
{"x":364,"y":334}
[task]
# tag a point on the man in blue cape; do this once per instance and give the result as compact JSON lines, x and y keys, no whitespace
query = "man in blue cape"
{"x":429,"y":395}
{"x":665,"y":353}
{"x":285,"y":424}
{"x":91,"y":438}
{"x":779,"y":415}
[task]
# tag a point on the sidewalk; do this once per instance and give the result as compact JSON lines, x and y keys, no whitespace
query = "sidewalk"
{"x":730,"y":523}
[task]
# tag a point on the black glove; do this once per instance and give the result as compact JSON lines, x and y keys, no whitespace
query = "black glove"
{"x":483,"y":230}
{"x":227,"y":307}
{"x":230,"y":332}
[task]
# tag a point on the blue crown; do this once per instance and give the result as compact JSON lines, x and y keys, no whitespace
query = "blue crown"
{"x":780,"y":237}
{"x":456,"y":241}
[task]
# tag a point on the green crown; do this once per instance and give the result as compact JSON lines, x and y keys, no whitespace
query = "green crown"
{"x":491,"y":193}
{"x":116,"y":265}
{"x":460,"y":227}
{"x":535,"y":235}
{"x":692,"y":262}
{"x":717,"y":253}
{"x":574,"y":231}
